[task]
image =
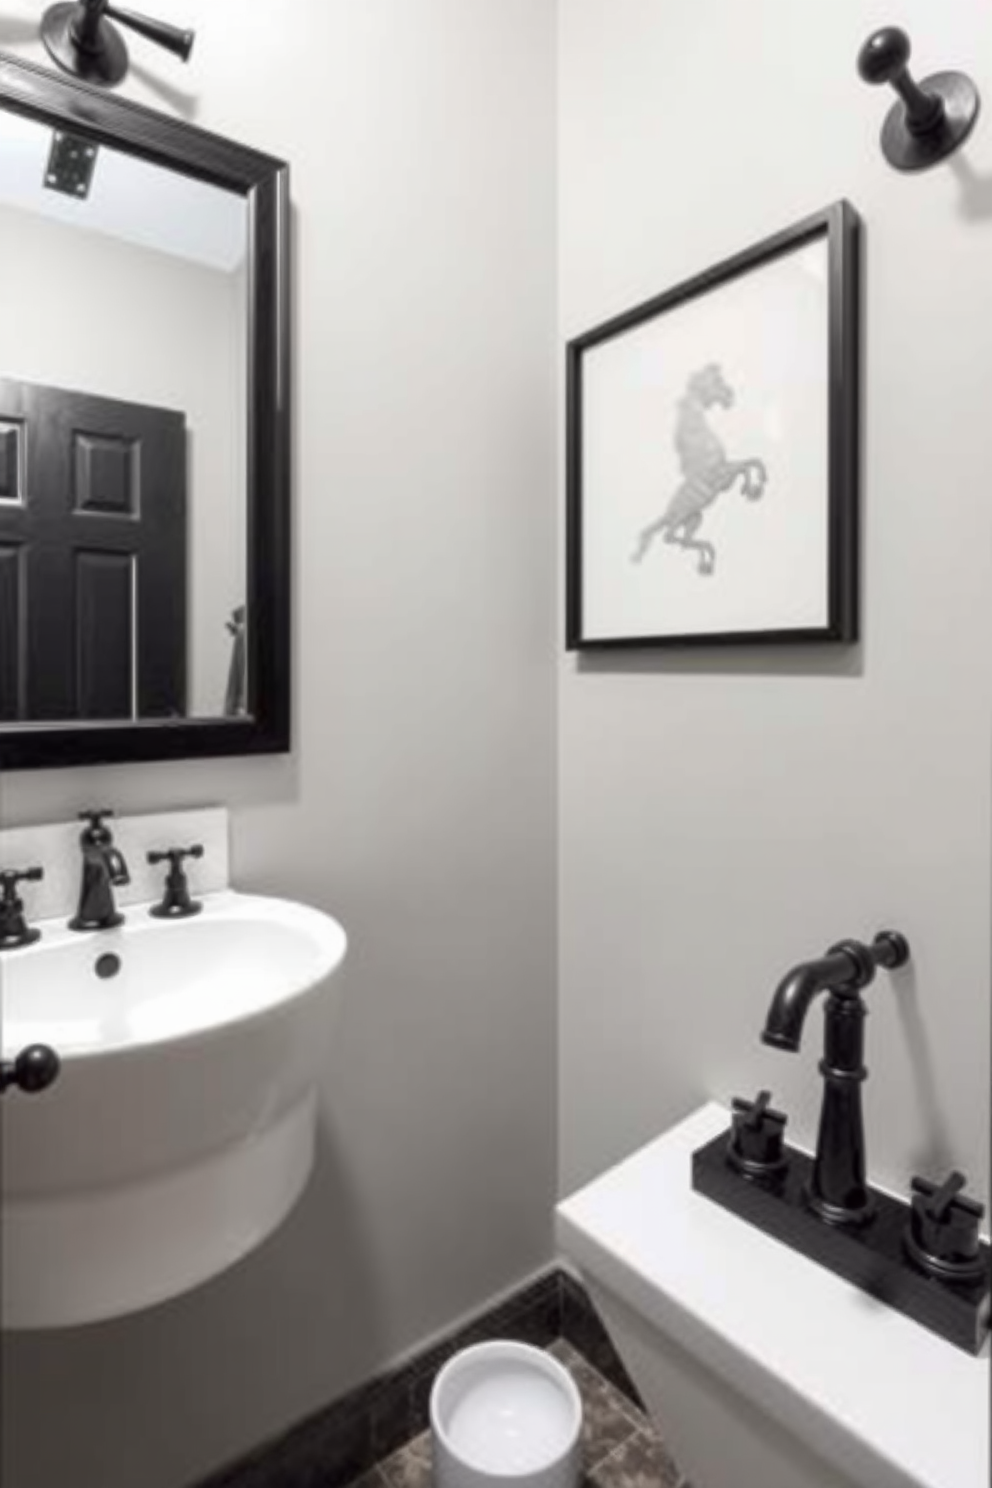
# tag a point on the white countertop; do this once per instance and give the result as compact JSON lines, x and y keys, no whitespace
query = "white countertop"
{"x":874,"y":1391}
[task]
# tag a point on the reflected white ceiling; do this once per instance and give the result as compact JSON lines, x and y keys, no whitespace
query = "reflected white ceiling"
{"x":129,"y":199}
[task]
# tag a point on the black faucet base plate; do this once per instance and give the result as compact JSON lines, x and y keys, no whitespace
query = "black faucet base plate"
{"x":166,"y":911}
{"x":78,"y":923}
{"x":872,"y":1256}
{"x":19,"y":938}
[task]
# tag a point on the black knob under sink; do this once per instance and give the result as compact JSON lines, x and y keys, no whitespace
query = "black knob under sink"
{"x":33,"y":1070}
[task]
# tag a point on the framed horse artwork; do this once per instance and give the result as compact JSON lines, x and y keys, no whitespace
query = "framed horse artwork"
{"x":713,"y":453}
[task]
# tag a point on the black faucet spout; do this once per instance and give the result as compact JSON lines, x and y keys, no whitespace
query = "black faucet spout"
{"x":117,"y":870}
{"x":795,"y":993}
{"x":104,"y":869}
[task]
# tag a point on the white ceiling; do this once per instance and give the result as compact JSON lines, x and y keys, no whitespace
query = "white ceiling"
{"x":129,"y":199}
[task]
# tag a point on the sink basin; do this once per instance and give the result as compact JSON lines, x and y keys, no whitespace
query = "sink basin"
{"x":180,"y":1131}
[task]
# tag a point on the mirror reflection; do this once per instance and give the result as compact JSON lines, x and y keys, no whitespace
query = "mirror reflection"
{"x":123,"y":436}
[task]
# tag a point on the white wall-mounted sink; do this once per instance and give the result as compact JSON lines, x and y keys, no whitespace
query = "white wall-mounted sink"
{"x":180,"y":1131}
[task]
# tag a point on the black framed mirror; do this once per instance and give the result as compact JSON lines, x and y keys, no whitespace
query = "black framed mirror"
{"x":144,"y":433}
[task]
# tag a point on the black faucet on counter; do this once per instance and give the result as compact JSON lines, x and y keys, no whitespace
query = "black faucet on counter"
{"x":14,"y":928}
{"x":177,"y":903}
{"x":104,"y":869}
{"x":927,"y":1259}
{"x":837,"y":1190}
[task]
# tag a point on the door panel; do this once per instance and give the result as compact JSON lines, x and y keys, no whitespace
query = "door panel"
{"x":93,"y":498}
{"x":11,"y":633}
{"x":104,"y":585}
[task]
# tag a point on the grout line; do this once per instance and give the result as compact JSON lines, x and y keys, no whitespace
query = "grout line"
{"x":638,"y":1418}
{"x":620,"y":1407}
{"x":605,"y":1461}
{"x":374,"y":1478}
{"x":593,"y":1467}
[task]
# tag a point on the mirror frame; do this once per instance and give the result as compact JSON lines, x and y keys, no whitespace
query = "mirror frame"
{"x":62,"y":102}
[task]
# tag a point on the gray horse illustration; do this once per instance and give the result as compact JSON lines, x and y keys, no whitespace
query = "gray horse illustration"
{"x":706,"y":468}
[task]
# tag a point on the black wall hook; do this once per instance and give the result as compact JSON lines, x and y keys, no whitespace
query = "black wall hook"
{"x":81,"y":39}
{"x":932,"y":118}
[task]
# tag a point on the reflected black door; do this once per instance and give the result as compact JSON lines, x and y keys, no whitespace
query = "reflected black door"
{"x":93,"y":553}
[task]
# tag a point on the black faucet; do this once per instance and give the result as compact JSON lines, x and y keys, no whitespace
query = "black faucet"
{"x":177,"y":902}
{"x":837,"y":1191}
{"x":103,"y":869}
{"x":14,"y":928}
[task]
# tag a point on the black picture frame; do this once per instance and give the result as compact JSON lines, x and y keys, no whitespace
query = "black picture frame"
{"x":63,"y":102}
{"x":841,"y":228}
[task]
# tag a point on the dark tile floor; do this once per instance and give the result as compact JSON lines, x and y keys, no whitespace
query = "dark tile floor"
{"x":620,"y":1447}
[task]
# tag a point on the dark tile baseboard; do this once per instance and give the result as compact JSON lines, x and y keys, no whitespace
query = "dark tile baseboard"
{"x":348,"y":1437}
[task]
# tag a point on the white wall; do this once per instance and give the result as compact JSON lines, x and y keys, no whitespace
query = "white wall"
{"x":721,"y":816}
{"x":418,"y":805}
{"x":725,"y":815}
{"x":150,"y":328}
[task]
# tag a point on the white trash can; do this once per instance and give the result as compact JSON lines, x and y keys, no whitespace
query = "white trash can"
{"x":505,"y":1415}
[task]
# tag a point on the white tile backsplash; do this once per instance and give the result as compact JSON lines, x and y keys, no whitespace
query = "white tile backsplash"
{"x":56,"y":850}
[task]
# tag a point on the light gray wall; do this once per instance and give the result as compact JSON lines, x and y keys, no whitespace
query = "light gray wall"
{"x":419,"y":803}
{"x":726,"y":814}
{"x":151,"y":328}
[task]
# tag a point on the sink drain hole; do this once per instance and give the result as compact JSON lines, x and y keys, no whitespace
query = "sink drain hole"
{"x":108,"y":965}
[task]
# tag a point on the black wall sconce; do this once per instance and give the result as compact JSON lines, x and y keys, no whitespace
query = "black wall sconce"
{"x":932,"y":118}
{"x":82,"y":40}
